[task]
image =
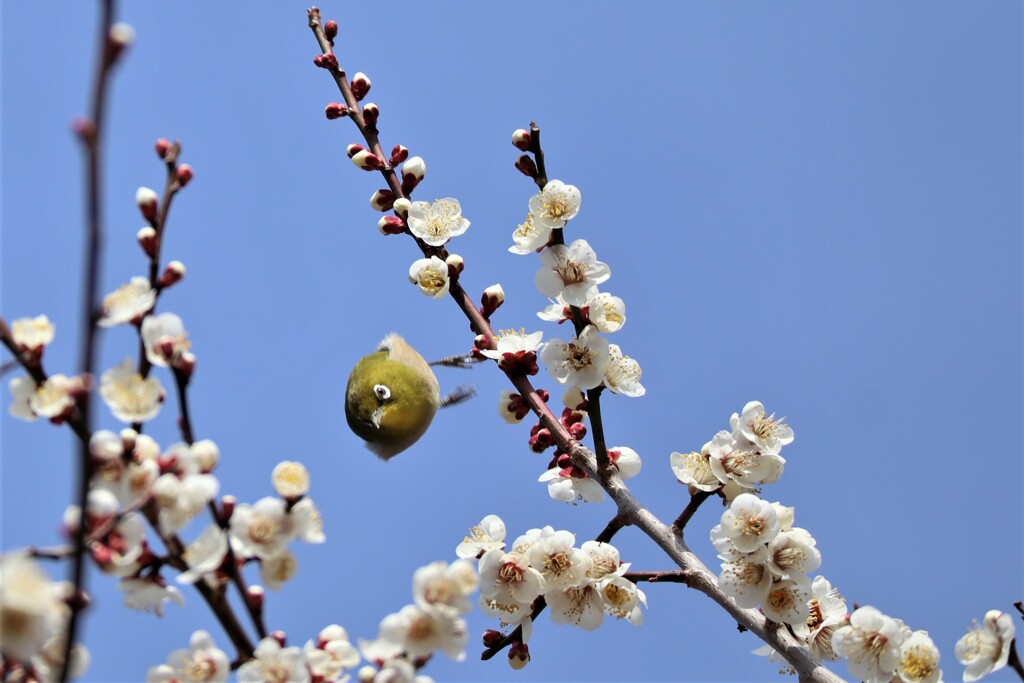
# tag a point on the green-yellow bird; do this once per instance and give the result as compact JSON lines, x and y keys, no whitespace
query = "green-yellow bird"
{"x":392,"y":397}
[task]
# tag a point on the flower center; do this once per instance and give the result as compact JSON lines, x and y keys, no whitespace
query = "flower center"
{"x":430,"y":278}
{"x":917,"y":664}
{"x":510,"y":572}
{"x":263,"y":528}
{"x":751,"y":525}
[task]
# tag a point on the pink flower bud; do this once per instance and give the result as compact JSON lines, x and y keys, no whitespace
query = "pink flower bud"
{"x":402,"y":206}
{"x":578,"y":430}
{"x":391,"y":225}
{"x":492,"y":637}
{"x":353,"y":149}
{"x":255,"y":597}
{"x":371,"y":112}
{"x":280,"y":637}
{"x":184,"y":175}
{"x":327,"y":61}
{"x":174,"y":272}
{"x":83,"y":127}
{"x":360,"y":85}
{"x":120,"y":37}
{"x":521,"y":139}
{"x":331,"y":29}
{"x":227,"y":507}
{"x":367,"y":160}
{"x":493,"y":297}
{"x":382,"y":200}
{"x":163,"y":146}
{"x":147,"y":201}
{"x":455,"y":264}
{"x":398,"y":154}
{"x":128,"y":437}
{"x":482,"y":342}
{"x":147,"y":240}
{"x":526,"y":166}
{"x":335,"y":110}
{"x":186,"y":364}
{"x":544,"y":395}
{"x":518,"y":656}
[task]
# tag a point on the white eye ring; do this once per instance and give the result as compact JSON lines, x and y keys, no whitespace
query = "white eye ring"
{"x":382,"y":392}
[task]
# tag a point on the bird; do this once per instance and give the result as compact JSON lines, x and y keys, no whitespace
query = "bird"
{"x":392,"y":396}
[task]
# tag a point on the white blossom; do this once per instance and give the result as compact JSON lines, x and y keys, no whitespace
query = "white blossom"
{"x":443,"y":587}
{"x":870,"y":642}
{"x":180,"y":498}
{"x":272,"y":662}
{"x":622,"y":374}
{"x":488,"y":535}
{"x":559,"y":563}
{"x":278,"y":569}
{"x":572,"y":272}
{"x":986,"y":648}
{"x":747,"y":578}
{"x":792,"y":552}
{"x":431,"y":276}
{"x":622,"y":599}
{"x":694,"y":470}
{"x":508,"y":585}
{"x":149,"y":594}
{"x":22,"y":390}
{"x":570,"y":484}
{"x":419,"y":632}
{"x":919,"y":659}
{"x":165,"y":339}
{"x":827,"y":613}
{"x":32,"y":334}
{"x":750,"y":522}
{"x":331,"y":655}
{"x":580,"y":362}
{"x":607,"y":312}
{"x":262,"y":529}
{"x":529,"y":236}
{"x":130,"y":397}
{"x":578,"y":605}
{"x":205,"y":554}
{"x":766,"y":432}
{"x":290,"y":479}
{"x":201,"y":661}
{"x":437,"y":223}
{"x":306,"y":522}
{"x":735,"y":460}
{"x":32,"y":607}
{"x":555,"y":205}
{"x":787,"y":600}
{"x":128,"y":303}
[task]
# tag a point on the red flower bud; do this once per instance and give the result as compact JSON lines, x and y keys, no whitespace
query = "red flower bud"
{"x":335,"y":110}
{"x":327,"y":61}
{"x":398,"y":154}
{"x":331,"y":29}
{"x":360,"y":85}
{"x":526,"y":166}
{"x":184,"y":175}
{"x":371,"y":112}
{"x":163,"y":146}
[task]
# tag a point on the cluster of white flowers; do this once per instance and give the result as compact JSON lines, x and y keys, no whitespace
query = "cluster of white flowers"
{"x":33,"y":615}
{"x":740,"y":459}
{"x":880,"y":649}
{"x":433,"y":622}
{"x":580,"y":585}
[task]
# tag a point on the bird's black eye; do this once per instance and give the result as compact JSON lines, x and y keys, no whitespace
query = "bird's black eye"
{"x":381,"y":392}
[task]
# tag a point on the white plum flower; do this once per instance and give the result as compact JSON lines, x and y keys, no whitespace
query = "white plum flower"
{"x":331,"y":655}
{"x":488,"y":535}
{"x":201,"y":661}
{"x":570,"y":484}
{"x":118,"y":553}
{"x":32,"y":334}
{"x":32,"y":606}
{"x":130,"y":397}
{"x":443,"y":587}
{"x":290,"y":479}
{"x":307,"y":524}
{"x":986,"y":648}
{"x":262,"y":529}
{"x":870,"y":643}
{"x":622,"y":599}
{"x":787,"y":600}
{"x":128,"y":303}
{"x":622,"y":374}
{"x":165,"y":339}
{"x":625,"y":460}
{"x":278,"y":569}
{"x":523,"y":543}
{"x":747,"y":578}
{"x":529,"y":236}
{"x":578,"y":605}
{"x":49,"y":661}
{"x":437,"y":223}
{"x":560,"y":564}
{"x":606,"y":312}
{"x":750,"y":522}
{"x":571,"y":271}
{"x":694,"y":470}
{"x":149,"y":594}
{"x":919,"y":659}
{"x":272,"y":662}
{"x":735,"y":460}
{"x":431,"y":276}
{"x":180,"y":498}
{"x":768,"y":433}
{"x":205,"y":554}
{"x":421,"y":631}
{"x":556,"y":312}
{"x":555,"y":205}
{"x":581,"y":361}
{"x":792,"y":552}
{"x":516,"y":351}
{"x":827,"y":613}
{"x":54,"y":398}
{"x":22,"y":389}
{"x":508,"y":585}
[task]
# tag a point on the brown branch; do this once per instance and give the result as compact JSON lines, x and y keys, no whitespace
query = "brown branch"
{"x":691,"y":508}
{"x":538,"y":154}
{"x":1014,"y":660}
{"x":610,"y":530}
{"x":656,"y":577}
{"x":181,"y":379}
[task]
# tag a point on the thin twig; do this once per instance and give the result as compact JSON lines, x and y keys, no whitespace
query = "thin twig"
{"x":656,"y":577}
{"x":1014,"y":660}
{"x":695,"y":501}
{"x":516,"y":636}
{"x":614,"y":524}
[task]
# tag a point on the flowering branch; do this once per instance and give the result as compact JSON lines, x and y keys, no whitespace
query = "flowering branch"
{"x":691,"y":508}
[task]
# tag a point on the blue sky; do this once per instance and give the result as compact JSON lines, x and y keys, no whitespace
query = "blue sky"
{"x":815,"y":206}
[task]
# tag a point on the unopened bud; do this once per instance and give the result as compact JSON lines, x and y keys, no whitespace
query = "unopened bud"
{"x":331,"y":29}
{"x":360,"y":85}
{"x":412,"y":173}
{"x":335,"y":110}
{"x":162,"y":146}
{"x":327,"y":61}
{"x":147,"y":200}
{"x":518,"y":656}
{"x":206,"y":455}
{"x":578,"y":430}
{"x":382,"y":200}
{"x":128,"y":437}
{"x":83,"y":128}
{"x":366,"y":674}
{"x":255,"y":597}
{"x":526,"y":166}
{"x":398,"y":154}
{"x":521,"y":139}
{"x":391,"y":225}
{"x":367,"y":160}
{"x":184,"y":175}
{"x":402,"y":206}
{"x":493,"y":297}
{"x":544,"y":395}
{"x":280,"y":637}
{"x":491,"y":637}
{"x":174,"y":272}
{"x":227,"y":507}
{"x":146,"y":237}
{"x":186,"y":363}
{"x":455,"y":264}
{"x":371,"y":112}
{"x":482,"y":342}
{"x":120,"y":37}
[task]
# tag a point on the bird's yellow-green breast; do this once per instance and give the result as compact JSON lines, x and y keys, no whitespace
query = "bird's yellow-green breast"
{"x":391,"y":398}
